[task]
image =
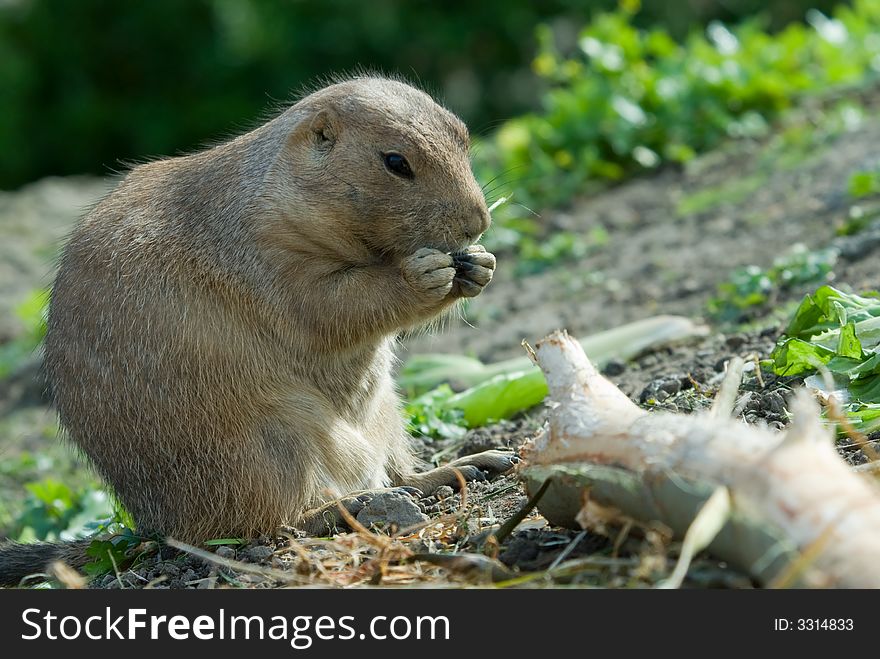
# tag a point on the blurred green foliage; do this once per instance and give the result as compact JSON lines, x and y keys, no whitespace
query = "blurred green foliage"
{"x":32,"y":314}
{"x":864,"y":184}
{"x":54,"y":511}
{"x":751,"y":287}
{"x":857,"y":220}
{"x":88,"y":84}
{"x":626,"y":99}
{"x":730,"y":192}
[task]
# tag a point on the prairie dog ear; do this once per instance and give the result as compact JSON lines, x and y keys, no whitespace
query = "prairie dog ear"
{"x":323,"y":127}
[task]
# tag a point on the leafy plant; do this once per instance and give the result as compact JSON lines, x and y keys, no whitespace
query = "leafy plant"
{"x":840,"y":332}
{"x":751,"y":287}
{"x":430,"y":415}
{"x":112,"y":552}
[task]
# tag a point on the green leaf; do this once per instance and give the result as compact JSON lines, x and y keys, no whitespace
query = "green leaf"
{"x":111,"y":553}
{"x":865,"y":418}
{"x":501,"y":397}
{"x":794,"y":356}
{"x":808,"y":315}
{"x":225,"y":541}
{"x":826,"y":310}
{"x":848,"y":344}
{"x":866,"y":390}
{"x":423,"y":372}
{"x":870,"y":366}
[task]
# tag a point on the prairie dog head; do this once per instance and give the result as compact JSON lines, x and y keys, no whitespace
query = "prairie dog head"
{"x":376,"y":165}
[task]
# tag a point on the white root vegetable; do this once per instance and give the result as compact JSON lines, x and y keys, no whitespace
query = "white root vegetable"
{"x":798,"y":514}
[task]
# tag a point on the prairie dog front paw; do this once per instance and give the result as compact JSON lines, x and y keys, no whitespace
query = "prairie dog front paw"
{"x":474,"y":267}
{"x":430,"y":273}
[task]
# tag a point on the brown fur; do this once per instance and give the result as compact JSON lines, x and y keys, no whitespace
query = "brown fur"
{"x":28,"y":564}
{"x":221,"y":327}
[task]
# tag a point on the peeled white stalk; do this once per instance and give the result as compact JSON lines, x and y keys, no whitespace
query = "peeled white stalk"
{"x":797,"y":511}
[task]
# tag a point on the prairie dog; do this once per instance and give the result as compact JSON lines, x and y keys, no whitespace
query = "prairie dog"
{"x":221,"y":327}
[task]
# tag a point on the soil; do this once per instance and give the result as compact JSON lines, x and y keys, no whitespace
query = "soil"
{"x":672,"y":237}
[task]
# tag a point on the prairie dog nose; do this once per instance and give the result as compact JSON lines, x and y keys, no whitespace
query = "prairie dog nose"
{"x":477,"y":222}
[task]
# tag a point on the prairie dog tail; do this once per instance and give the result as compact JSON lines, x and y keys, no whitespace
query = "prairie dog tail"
{"x":18,"y":561}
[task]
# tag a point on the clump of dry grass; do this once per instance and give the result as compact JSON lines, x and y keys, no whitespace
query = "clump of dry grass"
{"x":424,"y":555}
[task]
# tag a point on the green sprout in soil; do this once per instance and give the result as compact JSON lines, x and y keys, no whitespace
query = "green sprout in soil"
{"x":858,"y":219}
{"x":864,"y":184}
{"x":731,"y":192}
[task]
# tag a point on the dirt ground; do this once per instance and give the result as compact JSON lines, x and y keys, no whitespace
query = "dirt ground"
{"x":671,"y":238}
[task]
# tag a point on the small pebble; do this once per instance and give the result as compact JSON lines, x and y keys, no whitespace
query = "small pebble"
{"x":391,"y":510}
{"x":614,"y":368}
{"x":775,"y":402}
{"x":259,"y":553}
{"x":444,"y":492}
{"x":225,"y":552}
{"x":670,"y":387}
{"x":735,"y":342}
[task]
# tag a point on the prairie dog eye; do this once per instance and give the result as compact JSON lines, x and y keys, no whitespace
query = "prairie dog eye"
{"x":398,"y":165}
